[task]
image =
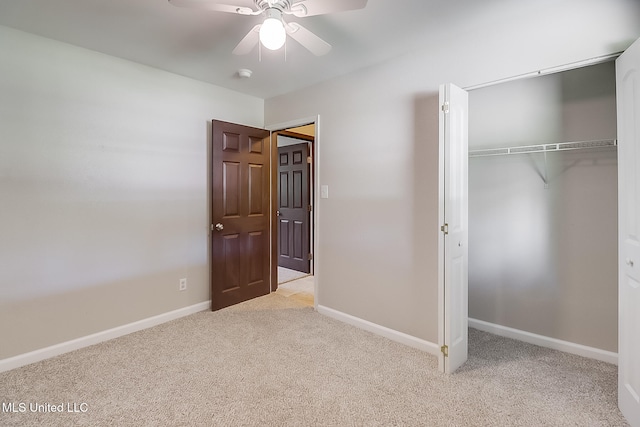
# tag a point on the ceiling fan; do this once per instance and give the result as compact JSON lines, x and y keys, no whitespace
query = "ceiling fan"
{"x":273,"y":31}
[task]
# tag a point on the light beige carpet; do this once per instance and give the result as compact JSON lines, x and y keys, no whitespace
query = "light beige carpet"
{"x":272,"y":362}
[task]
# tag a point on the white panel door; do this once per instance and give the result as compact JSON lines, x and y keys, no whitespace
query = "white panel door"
{"x":454,"y":232}
{"x":628,"y":103}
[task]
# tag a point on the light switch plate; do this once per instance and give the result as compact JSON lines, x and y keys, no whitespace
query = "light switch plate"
{"x":324,"y":191}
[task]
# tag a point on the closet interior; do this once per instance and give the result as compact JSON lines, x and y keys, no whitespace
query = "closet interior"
{"x":543,"y":206}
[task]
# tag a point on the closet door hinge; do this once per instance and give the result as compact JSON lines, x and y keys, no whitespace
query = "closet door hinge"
{"x":309,"y":159}
{"x":310,"y":257}
{"x":309,"y":208}
{"x":445,"y":229}
{"x":445,"y":350}
{"x":445,"y":107}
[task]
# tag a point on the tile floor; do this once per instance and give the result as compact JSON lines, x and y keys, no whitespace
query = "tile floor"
{"x":301,"y":290}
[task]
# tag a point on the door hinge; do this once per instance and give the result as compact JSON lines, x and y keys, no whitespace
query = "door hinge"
{"x":309,"y":208}
{"x":212,"y":227}
{"x":445,"y":350}
{"x":445,"y":107}
{"x":445,"y":229}
{"x":309,"y":159}
{"x":310,"y":257}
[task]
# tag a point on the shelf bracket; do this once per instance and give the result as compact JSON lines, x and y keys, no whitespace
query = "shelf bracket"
{"x":545,"y":177}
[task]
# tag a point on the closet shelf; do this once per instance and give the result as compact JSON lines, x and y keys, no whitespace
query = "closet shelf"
{"x":544,"y":148}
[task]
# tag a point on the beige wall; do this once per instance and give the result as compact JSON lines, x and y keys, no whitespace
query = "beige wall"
{"x":103,"y":171}
{"x":545,"y":260}
{"x":103,"y":188}
{"x":377,"y":256}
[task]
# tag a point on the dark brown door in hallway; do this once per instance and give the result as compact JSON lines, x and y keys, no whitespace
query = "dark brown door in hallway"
{"x":294,"y":207}
{"x":240,"y":243}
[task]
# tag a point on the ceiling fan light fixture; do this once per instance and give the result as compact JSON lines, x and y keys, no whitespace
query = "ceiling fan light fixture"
{"x":272,"y":32}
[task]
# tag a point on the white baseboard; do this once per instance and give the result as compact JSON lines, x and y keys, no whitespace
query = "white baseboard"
{"x":65,"y":347}
{"x":391,"y":334}
{"x":541,"y":340}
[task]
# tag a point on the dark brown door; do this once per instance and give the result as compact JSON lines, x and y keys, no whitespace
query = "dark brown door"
{"x":293,"y":207}
{"x":240,"y":244}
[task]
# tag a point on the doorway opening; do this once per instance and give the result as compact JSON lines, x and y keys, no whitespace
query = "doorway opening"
{"x":294,"y":214}
{"x":244,"y":206}
{"x":543,"y":264}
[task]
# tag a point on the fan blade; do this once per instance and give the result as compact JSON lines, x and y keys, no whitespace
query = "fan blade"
{"x":210,"y":5}
{"x":306,"y":38}
{"x":320,"y":7}
{"x":249,"y":41}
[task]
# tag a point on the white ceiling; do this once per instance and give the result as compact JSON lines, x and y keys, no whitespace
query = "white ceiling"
{"x":198,"y":44}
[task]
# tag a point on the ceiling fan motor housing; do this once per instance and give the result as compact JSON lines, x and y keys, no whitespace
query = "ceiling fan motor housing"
{"x":281,"y":5}
{"x":273,"y":31}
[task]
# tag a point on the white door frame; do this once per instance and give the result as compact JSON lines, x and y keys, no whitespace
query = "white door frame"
{"x":315,"y":194}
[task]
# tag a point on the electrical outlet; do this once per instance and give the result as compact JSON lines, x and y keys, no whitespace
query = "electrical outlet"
{"x":182,"y":286}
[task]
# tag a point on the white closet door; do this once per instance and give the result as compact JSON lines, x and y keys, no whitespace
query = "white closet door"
{"x":454,"y":236}
{"x":628,"y":100}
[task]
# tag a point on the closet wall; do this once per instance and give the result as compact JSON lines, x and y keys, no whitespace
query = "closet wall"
{"x":544,"y":260}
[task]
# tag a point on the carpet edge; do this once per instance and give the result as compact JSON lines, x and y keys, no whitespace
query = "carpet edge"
{"x":98,"y":337}
{"x":544,"y":341}
{"x":392,"y":334}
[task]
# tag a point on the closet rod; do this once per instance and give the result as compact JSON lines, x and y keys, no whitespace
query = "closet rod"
{"x":551,"y":70}
{"x":544,"y":148}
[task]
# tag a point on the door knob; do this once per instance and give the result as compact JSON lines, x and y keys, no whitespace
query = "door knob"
{"x":219,"y":227}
